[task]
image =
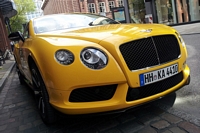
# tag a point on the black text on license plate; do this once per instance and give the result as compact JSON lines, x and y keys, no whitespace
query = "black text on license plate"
{"x":154,"y":76}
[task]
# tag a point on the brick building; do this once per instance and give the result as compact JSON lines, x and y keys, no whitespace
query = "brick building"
{"x":7,"y":10}
{"x":93,"y":6}
{"x":60,"y":6}
{"x":3,"y":34}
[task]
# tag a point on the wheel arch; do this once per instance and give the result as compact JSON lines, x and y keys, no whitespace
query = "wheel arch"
{"x":31,"y":62}
{"x":49,"y":116}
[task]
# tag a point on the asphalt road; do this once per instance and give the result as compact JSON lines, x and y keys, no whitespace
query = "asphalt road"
{"x":187,"y":103}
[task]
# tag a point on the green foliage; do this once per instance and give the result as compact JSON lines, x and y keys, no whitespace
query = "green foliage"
{"x":23,"y":7}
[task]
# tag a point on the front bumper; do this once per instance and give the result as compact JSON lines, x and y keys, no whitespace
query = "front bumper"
{"x":117,"y":102}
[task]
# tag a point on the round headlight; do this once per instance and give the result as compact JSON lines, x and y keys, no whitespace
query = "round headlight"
{"x":64,"y":57}
{"x":94,"y":58}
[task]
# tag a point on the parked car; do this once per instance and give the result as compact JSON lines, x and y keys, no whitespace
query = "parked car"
{"x":84,"y":63}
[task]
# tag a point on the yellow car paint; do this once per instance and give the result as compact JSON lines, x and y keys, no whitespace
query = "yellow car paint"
{"x":60,"y":80}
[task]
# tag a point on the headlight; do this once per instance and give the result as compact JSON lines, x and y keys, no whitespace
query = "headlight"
{"x":64,"y":57}
{"x":94,"y":58}
{"x":181,"y":39}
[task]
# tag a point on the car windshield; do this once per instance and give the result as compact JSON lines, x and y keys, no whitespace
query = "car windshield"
{"x":68,"y":21}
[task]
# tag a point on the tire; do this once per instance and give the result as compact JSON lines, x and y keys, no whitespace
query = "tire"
{"x":46,"y":111}
{"x":20,"y":76}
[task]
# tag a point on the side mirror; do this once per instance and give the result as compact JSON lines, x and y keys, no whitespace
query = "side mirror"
{"x":16,"y":36}
{"x":90,"y":24}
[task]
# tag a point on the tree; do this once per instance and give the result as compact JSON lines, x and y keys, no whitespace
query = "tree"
{"x":23,"y":7}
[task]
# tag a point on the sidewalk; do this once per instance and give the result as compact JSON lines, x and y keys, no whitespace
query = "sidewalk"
{"x":5,"y":70}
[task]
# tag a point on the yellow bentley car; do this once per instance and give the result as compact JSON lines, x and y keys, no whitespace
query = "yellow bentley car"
{"x":84,"y":63}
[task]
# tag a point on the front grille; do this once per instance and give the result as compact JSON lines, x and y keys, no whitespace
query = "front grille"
{"x":154,"y":88}
{"x":167,"y":48}
{"x":91,"y":94}
{"x":150,"y":51}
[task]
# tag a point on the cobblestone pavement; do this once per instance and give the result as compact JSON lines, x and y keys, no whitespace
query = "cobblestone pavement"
{"x":18,"y":114}
{"x":5,"y":69}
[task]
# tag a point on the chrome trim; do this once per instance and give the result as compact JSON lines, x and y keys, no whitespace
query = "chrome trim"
{"x":146,"y":30}
{"x":157,"y":58}
{"x":153,"y":66}
{"x":156,"y":50}
{"x":156,"y":53}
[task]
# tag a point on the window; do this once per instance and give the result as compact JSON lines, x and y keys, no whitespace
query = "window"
{"x":102,"y":7}
{"x":111,"y":4}
{"x":120,"y":3}
{"x":68,"y":21}
{"x":91,"y":8}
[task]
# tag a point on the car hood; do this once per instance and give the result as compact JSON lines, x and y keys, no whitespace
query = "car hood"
{"x":115,"y":34}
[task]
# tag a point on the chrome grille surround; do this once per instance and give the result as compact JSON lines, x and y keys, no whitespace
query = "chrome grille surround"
{"x":151,"y":51}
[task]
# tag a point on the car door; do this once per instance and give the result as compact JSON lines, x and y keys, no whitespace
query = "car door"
{"x":24,"y":52}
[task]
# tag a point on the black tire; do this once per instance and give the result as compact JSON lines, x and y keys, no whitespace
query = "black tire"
{"x":20,"y":76}
{"x":46,"y":111}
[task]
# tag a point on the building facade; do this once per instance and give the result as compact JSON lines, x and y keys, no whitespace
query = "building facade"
{"x":62,"y":6}
{"x":173,"y":11}
{"x":7,"y":10}
{"x":102,"y":7}
{"x":4,"y":42}
{"x":136,"y":11}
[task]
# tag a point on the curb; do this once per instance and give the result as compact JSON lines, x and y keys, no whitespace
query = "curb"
{"x":185,"y":23}
{"x":4,"y":78}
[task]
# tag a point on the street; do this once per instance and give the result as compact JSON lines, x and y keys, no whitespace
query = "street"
{"x":188,"y":98}
{"x":19,"y":114}
{"x":177,"y":113}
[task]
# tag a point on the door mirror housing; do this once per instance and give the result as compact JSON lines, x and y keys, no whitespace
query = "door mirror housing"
{"x":16,"y":36}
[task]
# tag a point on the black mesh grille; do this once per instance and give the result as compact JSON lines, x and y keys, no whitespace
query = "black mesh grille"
{"x":90,"y":94}
{"x":154,"y":88}
{"x":167,"y":47}
{"x":150,"y":51}
{"x":139,"y":54}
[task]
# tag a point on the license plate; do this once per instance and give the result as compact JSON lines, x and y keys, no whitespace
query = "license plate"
{"x":157,"y":75}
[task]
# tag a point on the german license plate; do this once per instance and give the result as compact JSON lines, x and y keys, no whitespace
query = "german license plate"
{"x":157,"y":75}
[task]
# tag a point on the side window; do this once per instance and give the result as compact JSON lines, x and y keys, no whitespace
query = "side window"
{"x":26,"y":31}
